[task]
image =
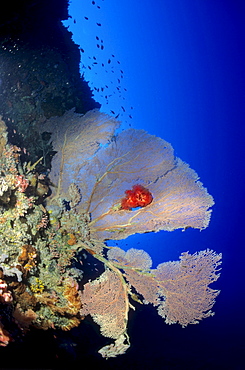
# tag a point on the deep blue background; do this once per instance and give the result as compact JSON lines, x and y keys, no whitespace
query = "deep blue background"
{"x":182,"y":63}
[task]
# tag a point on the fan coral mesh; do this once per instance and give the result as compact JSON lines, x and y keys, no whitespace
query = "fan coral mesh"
{"x":104,"y":167}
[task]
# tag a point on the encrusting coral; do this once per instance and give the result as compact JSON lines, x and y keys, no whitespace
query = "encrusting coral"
{"x":103,"y":186}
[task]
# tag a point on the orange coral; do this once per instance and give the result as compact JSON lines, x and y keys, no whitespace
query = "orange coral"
{"x":137,"y":197}
{"x":27,"y":257}
{"x":4,"y":337}
{"x":72,"y":296}
{"x":72,"y":239}
{"x":24,"y":318}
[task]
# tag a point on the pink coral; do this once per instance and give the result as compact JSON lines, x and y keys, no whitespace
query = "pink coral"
{"x":179,"y":289}
{"x":5,"y":294}
{"x":21,"y":183}
{"x":105,"y":300}
{"x":183,"y":287}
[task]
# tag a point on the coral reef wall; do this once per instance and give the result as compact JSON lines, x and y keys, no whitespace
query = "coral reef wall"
{"x":39,"y":69}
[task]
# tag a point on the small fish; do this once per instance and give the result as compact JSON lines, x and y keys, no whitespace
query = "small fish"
{"x":123,"y":108}
{"x":75,"y":21}
{"x":98,"y":24}
{"x":86,"y":18}
{"x":82,"y":50}
{"x":93,"y":2}
{"x":102,"y":47}
{"x":97,"y":38}
{"x":109,"y":61}
{"x":112,"y":111}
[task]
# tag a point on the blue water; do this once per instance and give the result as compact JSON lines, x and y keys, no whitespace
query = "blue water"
{"x":177,"y":68}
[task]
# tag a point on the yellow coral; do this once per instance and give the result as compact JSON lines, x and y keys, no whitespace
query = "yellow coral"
{"x":38,"y":287}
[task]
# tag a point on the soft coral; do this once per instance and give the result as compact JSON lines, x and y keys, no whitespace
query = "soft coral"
{"x":139,"y":196}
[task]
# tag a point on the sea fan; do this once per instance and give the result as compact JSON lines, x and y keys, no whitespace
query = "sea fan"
{"x":104,"y":166}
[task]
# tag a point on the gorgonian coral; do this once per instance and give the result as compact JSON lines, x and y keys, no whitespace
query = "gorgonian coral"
{"x":103,"y":165}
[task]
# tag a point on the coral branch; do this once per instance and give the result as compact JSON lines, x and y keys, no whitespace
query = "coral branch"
{"x":179,"y":289}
